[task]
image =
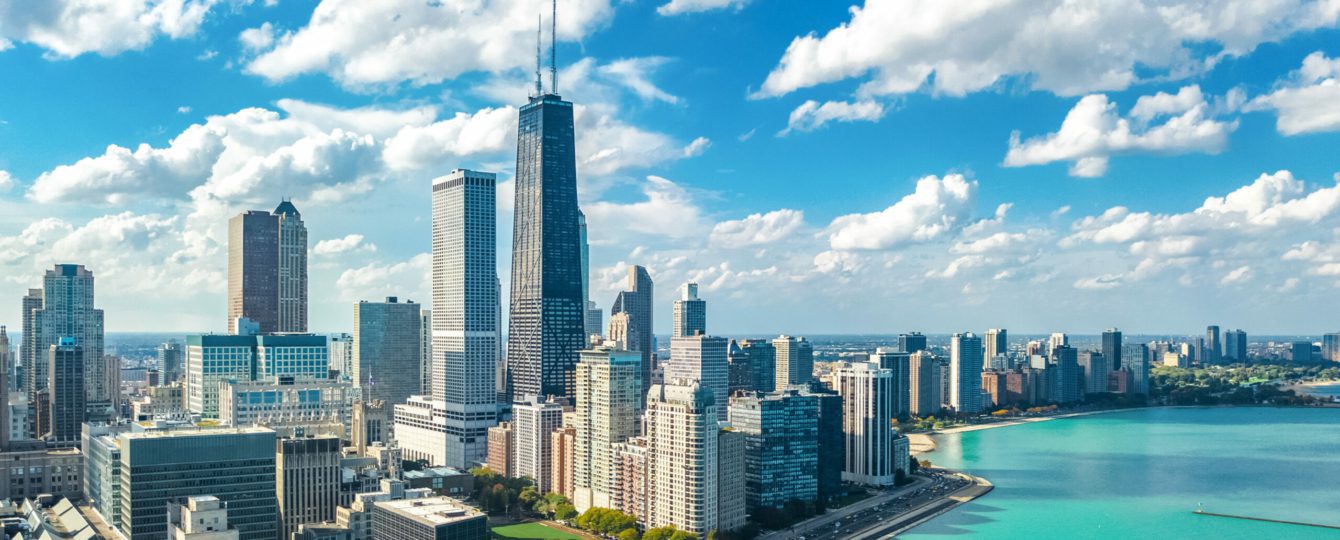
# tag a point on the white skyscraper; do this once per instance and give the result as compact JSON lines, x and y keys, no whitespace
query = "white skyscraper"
{"x":292,"y":269}
{"x":795,"y":361}
{"x":465,"y":311}
{"x":702,"y":359}
{"x":690,"y":313}
{"x":867,"y":423}
{"x":1056,"y":341}
{"x":682,"y":458}
{"x":609,"y":396}
{"x":965,"y":372}
{"x":534,"y":422}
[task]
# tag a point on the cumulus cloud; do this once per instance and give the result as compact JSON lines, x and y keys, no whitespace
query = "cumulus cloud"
{"x":371,"y":44}
{"x":680,"y":7}
{"x":255,"y":39}
{"x":69,"y":28}
{"x":812,"y":115}
{"x":418,"y":146}
{"x":1093,"y":131}
{"x":955,"y":48}
{"x":666,"y":210}
{"x":697,"y":146}
{"x":938,"y":208}
{"x":1309,"y":100}
{"x":6,"y":181}
{"x":409,"y":279}
{"x":340,"y":246}
{"x":757,"y":229}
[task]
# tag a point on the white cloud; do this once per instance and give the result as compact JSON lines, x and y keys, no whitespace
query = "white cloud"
{"x":667,"y":210}
{"x":340,"y":246}
{"x":697,"y":146}
{"x":69,"y":28}
{"x":812,"y":115}
{"x":1309,"y":100}
{"x":635,"y":74}
{"x":842,"y":262}
{"x":183,"y":110}
{"x":259,"y":38}
{"x":1239,"y":274}
{"x":6,"y":181}
{"x":680,"y":7}
{"x":418,"y":146}
{"x":409,"y":280}
{"x":955,"y":48}
{"x":367,"y":44}
{"x":936,"y":209}
{"x":757,"y":229}
{"x":1093,"y":131}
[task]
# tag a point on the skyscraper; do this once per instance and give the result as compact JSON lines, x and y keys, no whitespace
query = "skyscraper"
{"x":386,"y":349}
{"x":586,"y":277}
{"x":28,"y":342}
{"x":910,"y":343}
{"x":1214,"y":349}
{"x":899,"y":365}
{"x":547,"y":322}
{"x":1096,"y":368}
{"x":924,"y":384}
{"x":965,"y":372}
{"x":253,"y":270}
{"x":465,"y":311}
{"x":762,"y":359}
{"x":682,"y":458}
{"x":307,"y":481}
{"x":1057,"y":339}
{"x":781,"y":447}
{"x":636,"y":302}
{"x":868,"y":413}
{"x":169,"y":362}
{"x":1235,"y":345}
{"x":690,"y":313}
{"x":426,"y":352}
{"x":1330,"y":347}
{"x":795,"y":361}
{"x":67,"y":311}
{"x":65,"y":385}
{"x":5,"y":363}
{"x":1065,"y":375}
{"x":292,"y":270}
{"x":995,"y":343}
{"x":701,"y":359}
{"x":533,"y":422}
{"x":1112,"y":347}
{"x":609,"y":397}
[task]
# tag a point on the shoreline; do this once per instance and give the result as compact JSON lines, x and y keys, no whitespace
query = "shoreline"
{"x":1304,"y":387}
{"x":924,"y":443}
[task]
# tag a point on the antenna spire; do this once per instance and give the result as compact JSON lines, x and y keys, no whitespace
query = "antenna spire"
{"x":553,"y":50}
{"x":539,"y":26}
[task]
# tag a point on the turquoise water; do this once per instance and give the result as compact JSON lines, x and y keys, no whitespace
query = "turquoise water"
{"x":1139,"y":474}
{"x":1330,"y":390}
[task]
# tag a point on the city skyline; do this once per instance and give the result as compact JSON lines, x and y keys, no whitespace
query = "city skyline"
{"x":691,"y":165}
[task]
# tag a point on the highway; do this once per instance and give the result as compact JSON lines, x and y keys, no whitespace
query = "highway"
{"x":875,"y":512}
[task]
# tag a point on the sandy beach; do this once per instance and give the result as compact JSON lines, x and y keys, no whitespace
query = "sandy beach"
{"x":924,"y":443}
{"x":1306,"y":387}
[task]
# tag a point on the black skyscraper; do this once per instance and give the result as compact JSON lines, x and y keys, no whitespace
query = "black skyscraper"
{"x":547,"y":323}
{"x":1112,"y":347}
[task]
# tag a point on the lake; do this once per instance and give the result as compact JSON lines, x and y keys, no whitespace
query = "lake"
{"x":1140,"y":473}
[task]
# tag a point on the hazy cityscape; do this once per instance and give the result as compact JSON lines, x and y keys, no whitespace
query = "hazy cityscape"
{"x":240,"y":362}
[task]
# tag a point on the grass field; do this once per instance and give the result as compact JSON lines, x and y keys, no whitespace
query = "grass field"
{"x":532,"y":531}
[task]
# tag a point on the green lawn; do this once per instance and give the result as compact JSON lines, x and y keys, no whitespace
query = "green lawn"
{"x":532,"y":531}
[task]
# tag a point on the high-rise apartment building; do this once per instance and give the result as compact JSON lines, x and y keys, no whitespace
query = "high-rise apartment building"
{"x":682,"y":458}
{"x":1235,"y":345}
{"x":868,"y":395}
{"x":702,"y":359}
{"x":6,"y":364}
{"x":65,"y":386}
{"x":900,"y":365}
{"x":761,"y":358}
{"x":533,"y":422}
{"x":731,"y":509}
{"x":341,"y":351}
{"x":1214,"y":349}
{"x":994,"y":343}
{"x":66,"y":311}
{"x":1056,"y":340}
{"x":795,"y":361}
{"x":386,"y":349}
{"x":636,"y":301}
{"x":169,"y":362}
{"x":29,"y":351}
{"x":547,"y":322}
{"x":267,"y":270}
{"x":965,"y":372}
{"x":465,"y":311}
{"x":1065,"y":377}
{"x":609,"y":397}
{"x":307,"y":481}
{"x":781,"y":447}
{"x":923,"y":395}
{"x":1096,"y":369}
{"x":562,"y":463}
{"x":1112,"y":347}
{"x":237,"y":465}
{"x":1330,"y":346}
{"x":690,"y":313}
{"x":910,"y":343}
{"x":502,"y":449}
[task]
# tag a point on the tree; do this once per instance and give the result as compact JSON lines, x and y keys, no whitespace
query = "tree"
{"x":528,"y":497}
{"x":564,"y":512}
{"x":628,"y":534}
{"x":668,"y":533}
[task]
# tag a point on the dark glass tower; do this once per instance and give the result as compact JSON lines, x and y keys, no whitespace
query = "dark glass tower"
{"x":1112,"y":347}
{"x":547,"y":323}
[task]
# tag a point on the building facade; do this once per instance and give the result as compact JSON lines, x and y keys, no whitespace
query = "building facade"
{"x":781,"y":447}
{"x":682,"y":458}
{"x":690,"y":313}
{"x":965,"y":372}
{"x":386,"y":349}
{"x":608,"y":402}
{"x":702,"y":359}
{"x":534,"y":422}
{"x":868,"y":412}
{"x":636,"y":302}
{"x":795,"y":361}
{"x":307,"y":481}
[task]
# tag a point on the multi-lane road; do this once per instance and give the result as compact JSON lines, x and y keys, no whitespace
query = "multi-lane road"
{"x":929,"y":493}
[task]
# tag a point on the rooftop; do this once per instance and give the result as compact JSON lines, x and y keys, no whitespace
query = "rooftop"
{"x":432,"y":511}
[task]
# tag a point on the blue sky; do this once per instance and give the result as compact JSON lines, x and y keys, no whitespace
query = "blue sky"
{"x":818,"y":167}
